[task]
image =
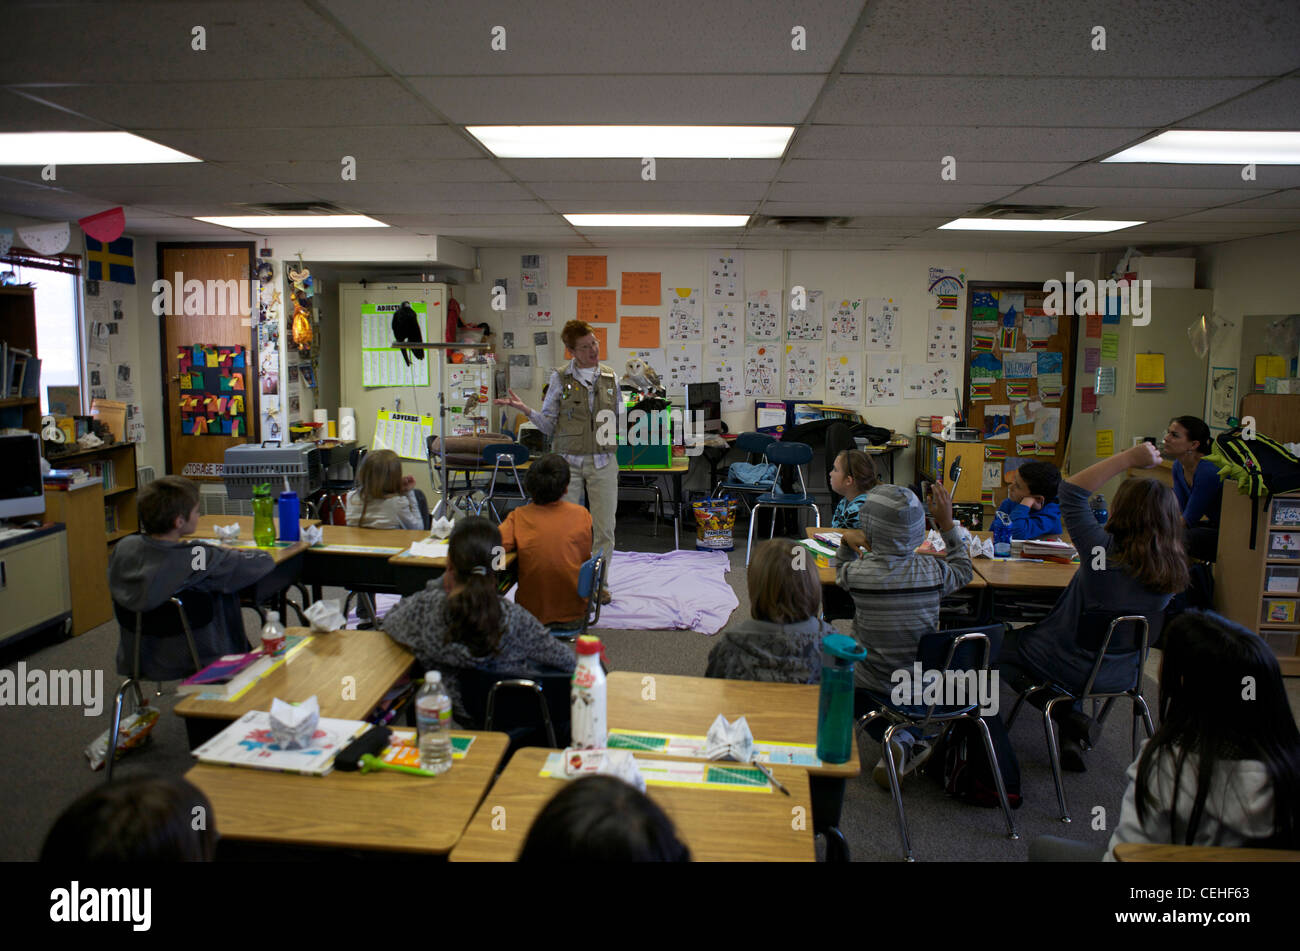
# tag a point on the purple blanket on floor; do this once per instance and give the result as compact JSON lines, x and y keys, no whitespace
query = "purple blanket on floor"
{"x":678,"y":589}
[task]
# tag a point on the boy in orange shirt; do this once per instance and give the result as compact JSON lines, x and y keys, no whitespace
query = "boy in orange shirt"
{"x":553,"y":538}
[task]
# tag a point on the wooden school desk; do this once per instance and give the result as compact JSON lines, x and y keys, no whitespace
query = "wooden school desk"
{"x":318,"y":669}
{"x":381,"y":811}
{"x":717,"y":825}
{"x":289,"y":561}
{"x":776,"y":713}
{"x":826,"y":573}
{"x":1149,"y":852}
{"x":410,"y":573}
{"x":357,"y":558}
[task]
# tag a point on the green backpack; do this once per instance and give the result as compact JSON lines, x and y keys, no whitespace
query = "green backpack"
{"x":1259,"y":465}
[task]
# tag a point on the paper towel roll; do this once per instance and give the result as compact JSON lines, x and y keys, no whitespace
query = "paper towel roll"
{"x":347,"y":423}
{"x":321,"y":416}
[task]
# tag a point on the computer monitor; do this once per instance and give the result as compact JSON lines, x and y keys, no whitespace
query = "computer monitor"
{"x":22,"y":491}
{"x":705,"y":398}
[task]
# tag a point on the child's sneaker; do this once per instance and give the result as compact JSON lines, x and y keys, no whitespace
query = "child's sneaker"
{"x":908,"y":755}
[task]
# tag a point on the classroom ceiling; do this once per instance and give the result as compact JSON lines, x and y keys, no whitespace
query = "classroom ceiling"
{"x":1012,"y":90}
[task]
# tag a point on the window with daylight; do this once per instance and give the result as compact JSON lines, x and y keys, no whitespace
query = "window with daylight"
{"x":58,"y":320}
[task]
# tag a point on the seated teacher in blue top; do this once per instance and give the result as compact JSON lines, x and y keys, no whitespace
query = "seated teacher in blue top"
{"x":1031,"y":501}
{"x":1196,"y":484}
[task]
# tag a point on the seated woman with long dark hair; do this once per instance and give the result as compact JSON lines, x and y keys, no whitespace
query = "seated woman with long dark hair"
{"x":1196,"y":484}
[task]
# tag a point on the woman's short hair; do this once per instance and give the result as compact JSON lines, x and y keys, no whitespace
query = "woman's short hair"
{"x":547,"y":479}
{"x":574,"y":331}
{"x":778,"y":591}
{"x":141,"y":819}
{"x":164,"y":500}
{"x":602,"y":819}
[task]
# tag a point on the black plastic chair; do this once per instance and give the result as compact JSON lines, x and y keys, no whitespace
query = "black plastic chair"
{"x":532,"y":708}
{"x":962,"y":650}
{"x":191,"y":609}
{"x":1097,"y":631}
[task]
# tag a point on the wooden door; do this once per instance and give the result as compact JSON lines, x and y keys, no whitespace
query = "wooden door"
{"x":224,"y":322}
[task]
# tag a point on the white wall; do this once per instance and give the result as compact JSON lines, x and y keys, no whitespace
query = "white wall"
{"x":840,"y":274}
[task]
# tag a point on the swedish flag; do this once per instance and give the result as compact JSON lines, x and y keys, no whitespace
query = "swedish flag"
{"x":112,"y":262}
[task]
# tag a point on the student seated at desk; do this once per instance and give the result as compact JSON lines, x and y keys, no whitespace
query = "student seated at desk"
{"x":1031,"y":501}
{"x":460,"y":621}
{"x":1144,"y":564}
{"x":141,"y":819}
{"x":896,"y":594}
{"x":1224,"y":767}
{"x":384,"y":497}
{"x":553,"y":538}
{"x":852,"y":476}
{"x":782,"y":640}
{"x":146,"y":570}
{"x":602,"y":819}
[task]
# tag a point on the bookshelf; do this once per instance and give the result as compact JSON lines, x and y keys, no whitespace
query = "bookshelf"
{"x":1259,"y":588}
{"x":115,"y":467}
{"x":18,"y":329}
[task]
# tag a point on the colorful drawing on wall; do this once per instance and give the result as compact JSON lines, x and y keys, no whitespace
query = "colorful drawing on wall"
{"x":212,"y":390}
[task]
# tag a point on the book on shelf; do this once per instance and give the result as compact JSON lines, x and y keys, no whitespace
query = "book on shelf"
{"x":1280,"y":611}
{"x":17,"y":364}
{"x":31,"y":387}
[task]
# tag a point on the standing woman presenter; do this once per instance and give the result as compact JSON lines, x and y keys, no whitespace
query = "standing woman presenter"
{"x":582,"y":413}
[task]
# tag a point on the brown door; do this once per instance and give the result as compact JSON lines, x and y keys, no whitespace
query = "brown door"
{"x":223,"y":323}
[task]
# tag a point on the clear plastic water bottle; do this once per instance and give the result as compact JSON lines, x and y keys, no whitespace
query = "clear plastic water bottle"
{"x":1098,"y":504}
{"x":1001,"y":535}
{"x":272,"y":633}
{"x":433,"y":720}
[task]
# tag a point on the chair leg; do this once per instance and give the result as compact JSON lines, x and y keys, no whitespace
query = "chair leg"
{"x":130,"y":682}
{"x":897,"y":792}
{"x":997,"y":777}
{"x":749,"y":540}
{"x":1140,"y":703}
{"x":1054,"y":754}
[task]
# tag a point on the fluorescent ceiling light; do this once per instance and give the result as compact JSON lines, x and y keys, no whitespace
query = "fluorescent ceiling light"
{"x":657,"y":221}
{"x":1042,"y":224}
{"x":1194,"y":147}
{"x":633,"y":141}
{"x":84,"y":148}
{"x":266,"y":222}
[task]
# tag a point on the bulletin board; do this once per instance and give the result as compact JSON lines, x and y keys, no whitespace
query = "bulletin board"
{"x":212,"y":390}
{"x":1019,"y":379}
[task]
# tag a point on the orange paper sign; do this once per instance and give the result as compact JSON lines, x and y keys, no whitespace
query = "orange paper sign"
{"x":598,"y":307}
{"x":1093,"y":325}
{"x":641,"y":287}
{"x":587,"y":270}
{"x":602,"y":338}
{"x":639,"y":333}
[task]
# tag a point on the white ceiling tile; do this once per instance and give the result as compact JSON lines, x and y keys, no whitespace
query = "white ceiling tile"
{"x":1284,"y":199}
{"x":454,"y":37}
{"x":18,"y":113}
{"x":980,"y":144}
{"x":1277,"y":106}
{"x":866,"y":193}
{"x":291,"y":143}
{"x":376,"y":195}
{"x":628,"y":100}
{"x":625,"y":170}
{"x":863,"y":209}
{"x":1142,"y":175}
{"x":1038,"y":101}
{"x":634,"y":192}
{"x":373,"y":171}
{"x":1236,"y":213}
{"x":920,"y":172}
{"x":145,"y":43}
{"x":1190,"y":198}
{"x":1055,"y":37}
{"x":680,"y":206}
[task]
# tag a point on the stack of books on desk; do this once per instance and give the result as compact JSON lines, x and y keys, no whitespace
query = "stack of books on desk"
{"x":1062,"y":552}
{"x":60,"y":480}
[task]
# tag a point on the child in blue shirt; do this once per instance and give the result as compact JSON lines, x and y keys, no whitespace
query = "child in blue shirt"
{"x":1031,"y":501}
{"x":852,"y":477}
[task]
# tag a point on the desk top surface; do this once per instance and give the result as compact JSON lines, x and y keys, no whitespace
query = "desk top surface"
{"x":776,"y":713}
{"x":383,"y":810}
{"x":378,"y":538}
{"x":1150,"y":852}
{"x":371,"y":657}
{"x":826,"y":574}
{"x":717,"y":826}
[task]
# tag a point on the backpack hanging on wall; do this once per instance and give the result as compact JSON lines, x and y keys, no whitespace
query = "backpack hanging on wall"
{"x":1260,"y":466}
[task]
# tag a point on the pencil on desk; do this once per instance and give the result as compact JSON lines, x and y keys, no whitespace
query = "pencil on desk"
{"x":772,"y":779}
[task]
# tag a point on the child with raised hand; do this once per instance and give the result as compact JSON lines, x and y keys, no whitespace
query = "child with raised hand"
{"x":553,"y":538}
{"x":384,"y":498}
{"x":781,"y":642}
{"x":852,"y":477}
{"x":1223,"y":769}
{"x":1031,"y":501}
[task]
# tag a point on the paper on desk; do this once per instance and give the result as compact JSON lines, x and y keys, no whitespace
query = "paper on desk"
{"x":325,"y":616}
{"x":429,"y":548}
{"x":312,"y":535}
{"x":730,"y":740}
{"x":227,"y":533}
{"x":979,"y":548}
{"x":294,"y":725}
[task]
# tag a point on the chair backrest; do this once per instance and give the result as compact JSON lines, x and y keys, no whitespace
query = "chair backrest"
{"x":1113,"y":634}
{"x":422,"y":503}
{"x":753,"y":443}
{"x":164,"y":620}
{"x":497,"y":453}
{"x":355,"y":458}
{"x":517,"y":711}
{"x":591,"y":578}
{"x":960,"y":649}
{"x":789,"y":453}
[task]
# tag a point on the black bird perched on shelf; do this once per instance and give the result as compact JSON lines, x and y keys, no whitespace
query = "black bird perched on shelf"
{"x":406,"y":329}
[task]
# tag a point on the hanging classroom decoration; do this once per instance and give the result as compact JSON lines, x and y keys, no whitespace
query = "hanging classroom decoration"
{"x":726,"y":270}
{"x":685,"y":321}
{"x":845,"y":330}
{"x":803,"y":370}
{"x":107,"y":226}
{"x":947,"y":285}
{"x":212,"y":390}
{"x":882,"y":323}
{"x":762,"y":370}
{"x":805,"y":323}
{"x":726,"y":330}
{"x":844,"y":377}
{"x":763,"y":316}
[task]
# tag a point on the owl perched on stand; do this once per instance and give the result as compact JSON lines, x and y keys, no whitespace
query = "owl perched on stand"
{"x":642,"y":378}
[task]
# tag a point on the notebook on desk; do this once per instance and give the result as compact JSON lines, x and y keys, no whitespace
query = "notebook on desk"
{"x":248,"y":742}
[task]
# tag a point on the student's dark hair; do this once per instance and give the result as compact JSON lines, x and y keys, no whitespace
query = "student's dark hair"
{"x":1147,"y":526}
{"x":857,"y":465}
{"x":602,"y":819}
{"x":547,"y":479}
{"x":1041,"y":478}
{"x":1208,"y":719}
{"x":1197,"y":431}
{"x":474,"y":616}
{"x":164,"y":500}
{"x":141,"y":819}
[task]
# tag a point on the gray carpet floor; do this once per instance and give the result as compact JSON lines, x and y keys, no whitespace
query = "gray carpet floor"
{"x":45,"y":768}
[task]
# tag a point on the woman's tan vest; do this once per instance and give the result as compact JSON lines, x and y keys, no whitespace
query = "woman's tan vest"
{"x":577,"y":426}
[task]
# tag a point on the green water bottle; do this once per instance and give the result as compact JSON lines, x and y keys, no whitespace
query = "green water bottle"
{"x":835,"y":711}
{"x":263,"y":519}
